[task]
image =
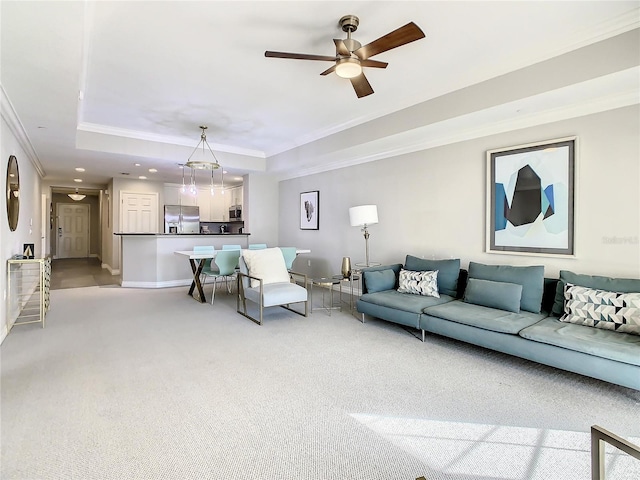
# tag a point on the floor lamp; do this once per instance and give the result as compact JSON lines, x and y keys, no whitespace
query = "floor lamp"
{"x":363,"y":216}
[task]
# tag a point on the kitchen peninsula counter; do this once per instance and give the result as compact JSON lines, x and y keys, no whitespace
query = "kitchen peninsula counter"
{"x":148,"y":259}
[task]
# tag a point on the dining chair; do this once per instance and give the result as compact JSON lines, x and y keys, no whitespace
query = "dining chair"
{"x":231,"y":247}
{"x":257,"y":246}
{"x":264,"y":279}
{"x":225,"y":261}
{"x":205,"y":249}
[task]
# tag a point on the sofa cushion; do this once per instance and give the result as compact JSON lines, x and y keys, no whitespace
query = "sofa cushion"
{"x":531,"y":278}
{"x":419,"y":283}
{"x":620,"y":347}
{"x":379,"y":280}
{"x":484,"y":317}
{"x":448,"y":272}
{"x":500,"y":295}
{"x":622,"y":285}
{"x":615,"y":311}
{"x":404,"y":301}
{"x":395,"y":267}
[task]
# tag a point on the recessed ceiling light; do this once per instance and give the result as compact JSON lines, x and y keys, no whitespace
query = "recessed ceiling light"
{"x":137,"y":164}
{"x":142,"y":177}
{"x":225,"y":172}
{"x":153,"y":170}
{"x":79,"y":169}
{"x":78,"y":180}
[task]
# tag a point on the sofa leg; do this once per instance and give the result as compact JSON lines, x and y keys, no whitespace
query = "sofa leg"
{"x":423,"y":336}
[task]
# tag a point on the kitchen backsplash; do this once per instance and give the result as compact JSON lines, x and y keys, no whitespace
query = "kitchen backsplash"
{"x":214,"y":227}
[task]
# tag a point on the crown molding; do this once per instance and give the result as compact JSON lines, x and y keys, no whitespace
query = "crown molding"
{"x":403,"y":143}
{"x":167,"y":139}
{"x":16,"y":127}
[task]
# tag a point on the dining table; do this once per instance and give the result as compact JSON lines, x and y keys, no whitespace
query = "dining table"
{"x":197,"y":261}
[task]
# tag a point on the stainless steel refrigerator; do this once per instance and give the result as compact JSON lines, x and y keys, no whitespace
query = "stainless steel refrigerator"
{"x":181,"y":219}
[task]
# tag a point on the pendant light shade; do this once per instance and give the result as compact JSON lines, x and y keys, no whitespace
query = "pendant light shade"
{"x":76,"y":196}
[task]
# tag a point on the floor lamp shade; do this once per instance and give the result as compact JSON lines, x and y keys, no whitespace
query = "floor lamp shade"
{"x":363,"y":215}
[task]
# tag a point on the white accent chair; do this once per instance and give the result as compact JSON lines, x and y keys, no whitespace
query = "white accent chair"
{"x":264,"y":279}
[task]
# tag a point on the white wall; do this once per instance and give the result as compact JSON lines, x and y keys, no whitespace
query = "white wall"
{"x":260,"y":208}
{"x":29,"y":219}
{"x":432,"y":203}
{"x":118,"y":186}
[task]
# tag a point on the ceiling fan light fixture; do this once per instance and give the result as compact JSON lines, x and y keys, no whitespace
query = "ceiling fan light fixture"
{"x":348,"y":67}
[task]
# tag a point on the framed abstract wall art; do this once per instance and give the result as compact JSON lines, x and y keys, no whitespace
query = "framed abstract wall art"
{"x":309,"y":210}
{"x":530,"y":198}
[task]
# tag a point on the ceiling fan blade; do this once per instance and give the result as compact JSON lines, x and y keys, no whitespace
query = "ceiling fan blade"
{"x":341,"y":48}
{"x":299,"y":56}
{"x":329,"y":70}
{"x":401,"y":36}
{"x":361,"y":85}
{"x":373,"y":63}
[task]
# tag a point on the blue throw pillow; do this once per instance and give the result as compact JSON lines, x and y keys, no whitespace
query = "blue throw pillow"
{"x":531,"y":279}
{"x":379,"y":280}
{"x":622,"y":285}
{"x":500,"y":295}
{"x":448,"y":272}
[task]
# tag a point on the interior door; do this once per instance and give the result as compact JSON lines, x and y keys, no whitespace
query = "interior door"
{"x":139,"y":213}
{"x":73,"y":230}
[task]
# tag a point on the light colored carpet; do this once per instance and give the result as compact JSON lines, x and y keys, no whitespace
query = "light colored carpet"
{"x":150,"y":384}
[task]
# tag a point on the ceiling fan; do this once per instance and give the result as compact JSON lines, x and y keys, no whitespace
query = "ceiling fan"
{"x":351,"y":56}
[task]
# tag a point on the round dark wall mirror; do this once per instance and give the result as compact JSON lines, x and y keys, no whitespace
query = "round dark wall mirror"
{"x":13,"y":192}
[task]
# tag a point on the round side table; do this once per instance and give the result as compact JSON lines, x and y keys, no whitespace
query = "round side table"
{"x":326,"y":283}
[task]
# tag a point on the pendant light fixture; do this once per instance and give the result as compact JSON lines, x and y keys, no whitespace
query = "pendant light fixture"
{"x":76,"y":196}
{"x":201,"y":164}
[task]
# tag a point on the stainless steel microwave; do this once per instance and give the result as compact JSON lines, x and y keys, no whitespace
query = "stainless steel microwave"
{"x":235,"y":212}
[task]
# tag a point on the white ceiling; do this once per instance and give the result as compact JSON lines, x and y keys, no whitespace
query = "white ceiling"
{"x":104,"y":85}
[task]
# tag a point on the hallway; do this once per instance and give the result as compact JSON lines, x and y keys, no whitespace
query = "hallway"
{"x":80,"y":272}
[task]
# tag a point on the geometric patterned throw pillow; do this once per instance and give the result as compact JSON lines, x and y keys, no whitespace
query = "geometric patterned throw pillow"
{"x":419,"y":283}
{"x":619,"y":312}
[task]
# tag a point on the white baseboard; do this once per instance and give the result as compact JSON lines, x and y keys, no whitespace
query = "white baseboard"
{"x":112,"y":271}
{"x":168,"y":284}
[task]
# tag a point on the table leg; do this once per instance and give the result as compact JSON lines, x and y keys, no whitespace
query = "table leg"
{"x":197,"y":270}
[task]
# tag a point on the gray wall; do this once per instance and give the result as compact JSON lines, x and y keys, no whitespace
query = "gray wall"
{"x":431,"y":203}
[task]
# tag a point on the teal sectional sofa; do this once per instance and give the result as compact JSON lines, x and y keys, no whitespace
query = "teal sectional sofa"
{"x":514,"y":310}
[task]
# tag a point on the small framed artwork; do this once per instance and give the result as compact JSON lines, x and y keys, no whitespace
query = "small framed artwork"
{"x":309,"y":210}
{"x":28,"y":250}
{"x":530,"y":198}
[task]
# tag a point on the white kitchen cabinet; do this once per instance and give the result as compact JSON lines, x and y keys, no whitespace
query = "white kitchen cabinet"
{"x":173,"y":196}
{"x":237,"y":196}
{"x":219,"y":210}
{"x":204,"y":202}
{"x":212,"y":207}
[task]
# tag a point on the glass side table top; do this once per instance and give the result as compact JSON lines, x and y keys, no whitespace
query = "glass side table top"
{"x":364,"y":265}
{"x":326,"y":281}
